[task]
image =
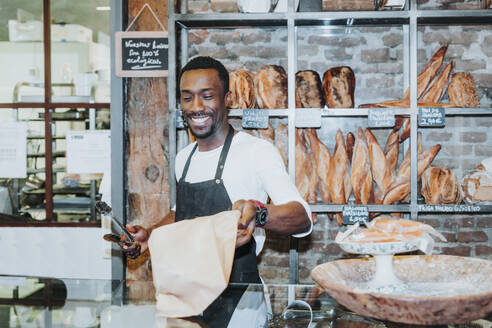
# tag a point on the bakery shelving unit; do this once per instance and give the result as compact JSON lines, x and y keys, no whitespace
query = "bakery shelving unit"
{"x":410,"y":19}
{"x":79,"y":200}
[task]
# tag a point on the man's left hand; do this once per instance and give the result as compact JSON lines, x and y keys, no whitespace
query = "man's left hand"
{"x":247,"y":221}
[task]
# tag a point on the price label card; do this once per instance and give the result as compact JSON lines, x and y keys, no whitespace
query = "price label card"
{"x":88,"y":151}
{"x":255,"y":119}
{"x":308,"y":118}
{"x":381,"y":118}
{"x":432,"y":116}
{"x":354,"y":214}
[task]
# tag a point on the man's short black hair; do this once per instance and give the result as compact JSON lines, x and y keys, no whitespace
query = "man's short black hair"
{"x":205,"y":62}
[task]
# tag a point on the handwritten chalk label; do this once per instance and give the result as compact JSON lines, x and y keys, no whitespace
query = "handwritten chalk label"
{"x":141,"y":54}
{"x":308,"y":118}
{"x":450,"y":208}
{"x":255,"y":119}
{"x":381,"y":118}
{"x":432,"y":116}
{"x":354,"y":214}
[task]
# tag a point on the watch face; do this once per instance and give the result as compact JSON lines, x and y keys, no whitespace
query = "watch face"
{"x":262,"y":216}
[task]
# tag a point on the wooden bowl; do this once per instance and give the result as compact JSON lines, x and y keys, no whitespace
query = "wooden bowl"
{"x":340,"y":279}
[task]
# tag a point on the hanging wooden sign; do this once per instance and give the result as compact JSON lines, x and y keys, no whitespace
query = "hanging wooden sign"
{"x":142,"y":54}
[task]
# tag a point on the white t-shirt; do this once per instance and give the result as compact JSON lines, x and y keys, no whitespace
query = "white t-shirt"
{"x":253,"y":170}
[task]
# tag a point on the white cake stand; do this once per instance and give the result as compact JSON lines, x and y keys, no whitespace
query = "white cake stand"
{"x":383,"y":256}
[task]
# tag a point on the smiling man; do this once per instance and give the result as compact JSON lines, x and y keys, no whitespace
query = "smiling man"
{"x":225,"y":169}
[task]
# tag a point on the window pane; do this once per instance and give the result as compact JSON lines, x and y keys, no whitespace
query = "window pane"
{"x":80,"y":50}
{"x":21,"y":54}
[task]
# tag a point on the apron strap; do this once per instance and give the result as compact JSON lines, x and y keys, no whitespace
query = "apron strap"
{"x":187,"y":165}
{"x":222,"y":158}
{"x":223,"y":153}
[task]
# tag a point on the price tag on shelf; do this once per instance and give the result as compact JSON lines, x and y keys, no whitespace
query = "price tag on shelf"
{"x":380,"y":118}
{"x":308,"y":118}
{"x":354,"y":214}
{"x":255,"y":119}
{"x":432,"y":117}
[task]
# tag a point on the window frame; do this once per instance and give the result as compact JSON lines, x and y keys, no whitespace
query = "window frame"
{"x":49,"y":107}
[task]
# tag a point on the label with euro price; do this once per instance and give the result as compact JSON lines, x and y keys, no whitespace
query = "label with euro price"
{"x":255,"y":119}
{"x":308,"y":118}
{"x":354,"y":214}
{"x":432,"y":117}
{"x":380,"y":118}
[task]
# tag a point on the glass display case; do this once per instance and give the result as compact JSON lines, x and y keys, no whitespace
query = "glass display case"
{"x":50,"y":302}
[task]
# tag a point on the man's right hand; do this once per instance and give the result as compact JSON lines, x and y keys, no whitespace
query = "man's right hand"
{"x":141,"y":236}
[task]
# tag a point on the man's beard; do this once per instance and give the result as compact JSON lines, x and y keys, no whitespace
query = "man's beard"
{"x":202,"y":134}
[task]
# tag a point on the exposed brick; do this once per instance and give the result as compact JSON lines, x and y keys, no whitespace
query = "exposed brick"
{"x":222,"y":38}
{"x":256,"y":36}
{"x":380,"y":82}
{"x":392,"y":40}
{"x":198,"y":6}
{"x":215,"y":52}
{"x":333,"y":41}
{"x":368,"y":69}
{"x":240,"y":50}
{"x":473,"y":137}
{"x":450,"y":237}
{"x":483,"y":150}
{"x":421,"y":57}
{"x":487,"y":45}
{"x":470,"y":65}
{"x":457,"y":250}
{"x":484,"y":121}
{"x":436,"y":136}
{"x":484,"y":222}
{"x":455,"y":52}
{"x":457,"y":150}
{"x":458,"y":222}
{"x":375,"y":56}
{"x":271,"y":52}
{"x":458,"y":121}
{"x":393,"y":68}
{"x":445,"y":37}
{"x":197,"y":36}
{"x":472,"y":236}
{"x":337,"y":53}
{"x":435,"y":223}
{"x":448,"y":162}
{"x":481,"y":250}
{"x":224,"y":6}
{"x":483,"y":79}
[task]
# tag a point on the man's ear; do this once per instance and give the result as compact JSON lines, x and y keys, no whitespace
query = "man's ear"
{"x":227,"y":98}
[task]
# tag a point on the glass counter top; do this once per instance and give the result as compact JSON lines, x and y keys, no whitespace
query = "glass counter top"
{"x":49,"y":302}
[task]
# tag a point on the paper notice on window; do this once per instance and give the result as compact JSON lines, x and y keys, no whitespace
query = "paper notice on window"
{"x":13,"y":138}
{"x":88,"y":151}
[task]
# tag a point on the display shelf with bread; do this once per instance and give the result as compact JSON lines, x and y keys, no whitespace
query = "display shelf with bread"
{"x":349,"y":65}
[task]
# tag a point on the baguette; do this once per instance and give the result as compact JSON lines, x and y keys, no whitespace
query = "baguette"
{"x":361,"y":177}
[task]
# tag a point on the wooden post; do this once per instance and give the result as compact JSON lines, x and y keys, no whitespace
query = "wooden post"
{"x":147,"y":149}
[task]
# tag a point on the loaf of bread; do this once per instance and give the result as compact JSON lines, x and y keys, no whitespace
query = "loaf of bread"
{"x":242,"y":87}
{"x":462,"y":91}
{"x":440,"y":186}
{"x":438,"y":86}
{"x":339,"y":87}
{"x":477,"y":186}
{"x":271,"y":87}
{"x":361,"y":177}
{"x":308,"y":90}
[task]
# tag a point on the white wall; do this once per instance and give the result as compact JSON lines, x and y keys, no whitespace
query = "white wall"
{"x":76,"y":253}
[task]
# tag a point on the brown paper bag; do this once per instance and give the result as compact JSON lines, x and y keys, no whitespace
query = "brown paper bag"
{"x":192,"y":262}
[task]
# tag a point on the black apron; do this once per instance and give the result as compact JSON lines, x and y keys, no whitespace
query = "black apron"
{"x":208,"y":198}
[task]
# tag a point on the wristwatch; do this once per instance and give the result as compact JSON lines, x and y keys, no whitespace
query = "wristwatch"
{"x":261,"y":213}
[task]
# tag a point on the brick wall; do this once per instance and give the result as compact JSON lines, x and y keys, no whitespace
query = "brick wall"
{"x":376,"y":56}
